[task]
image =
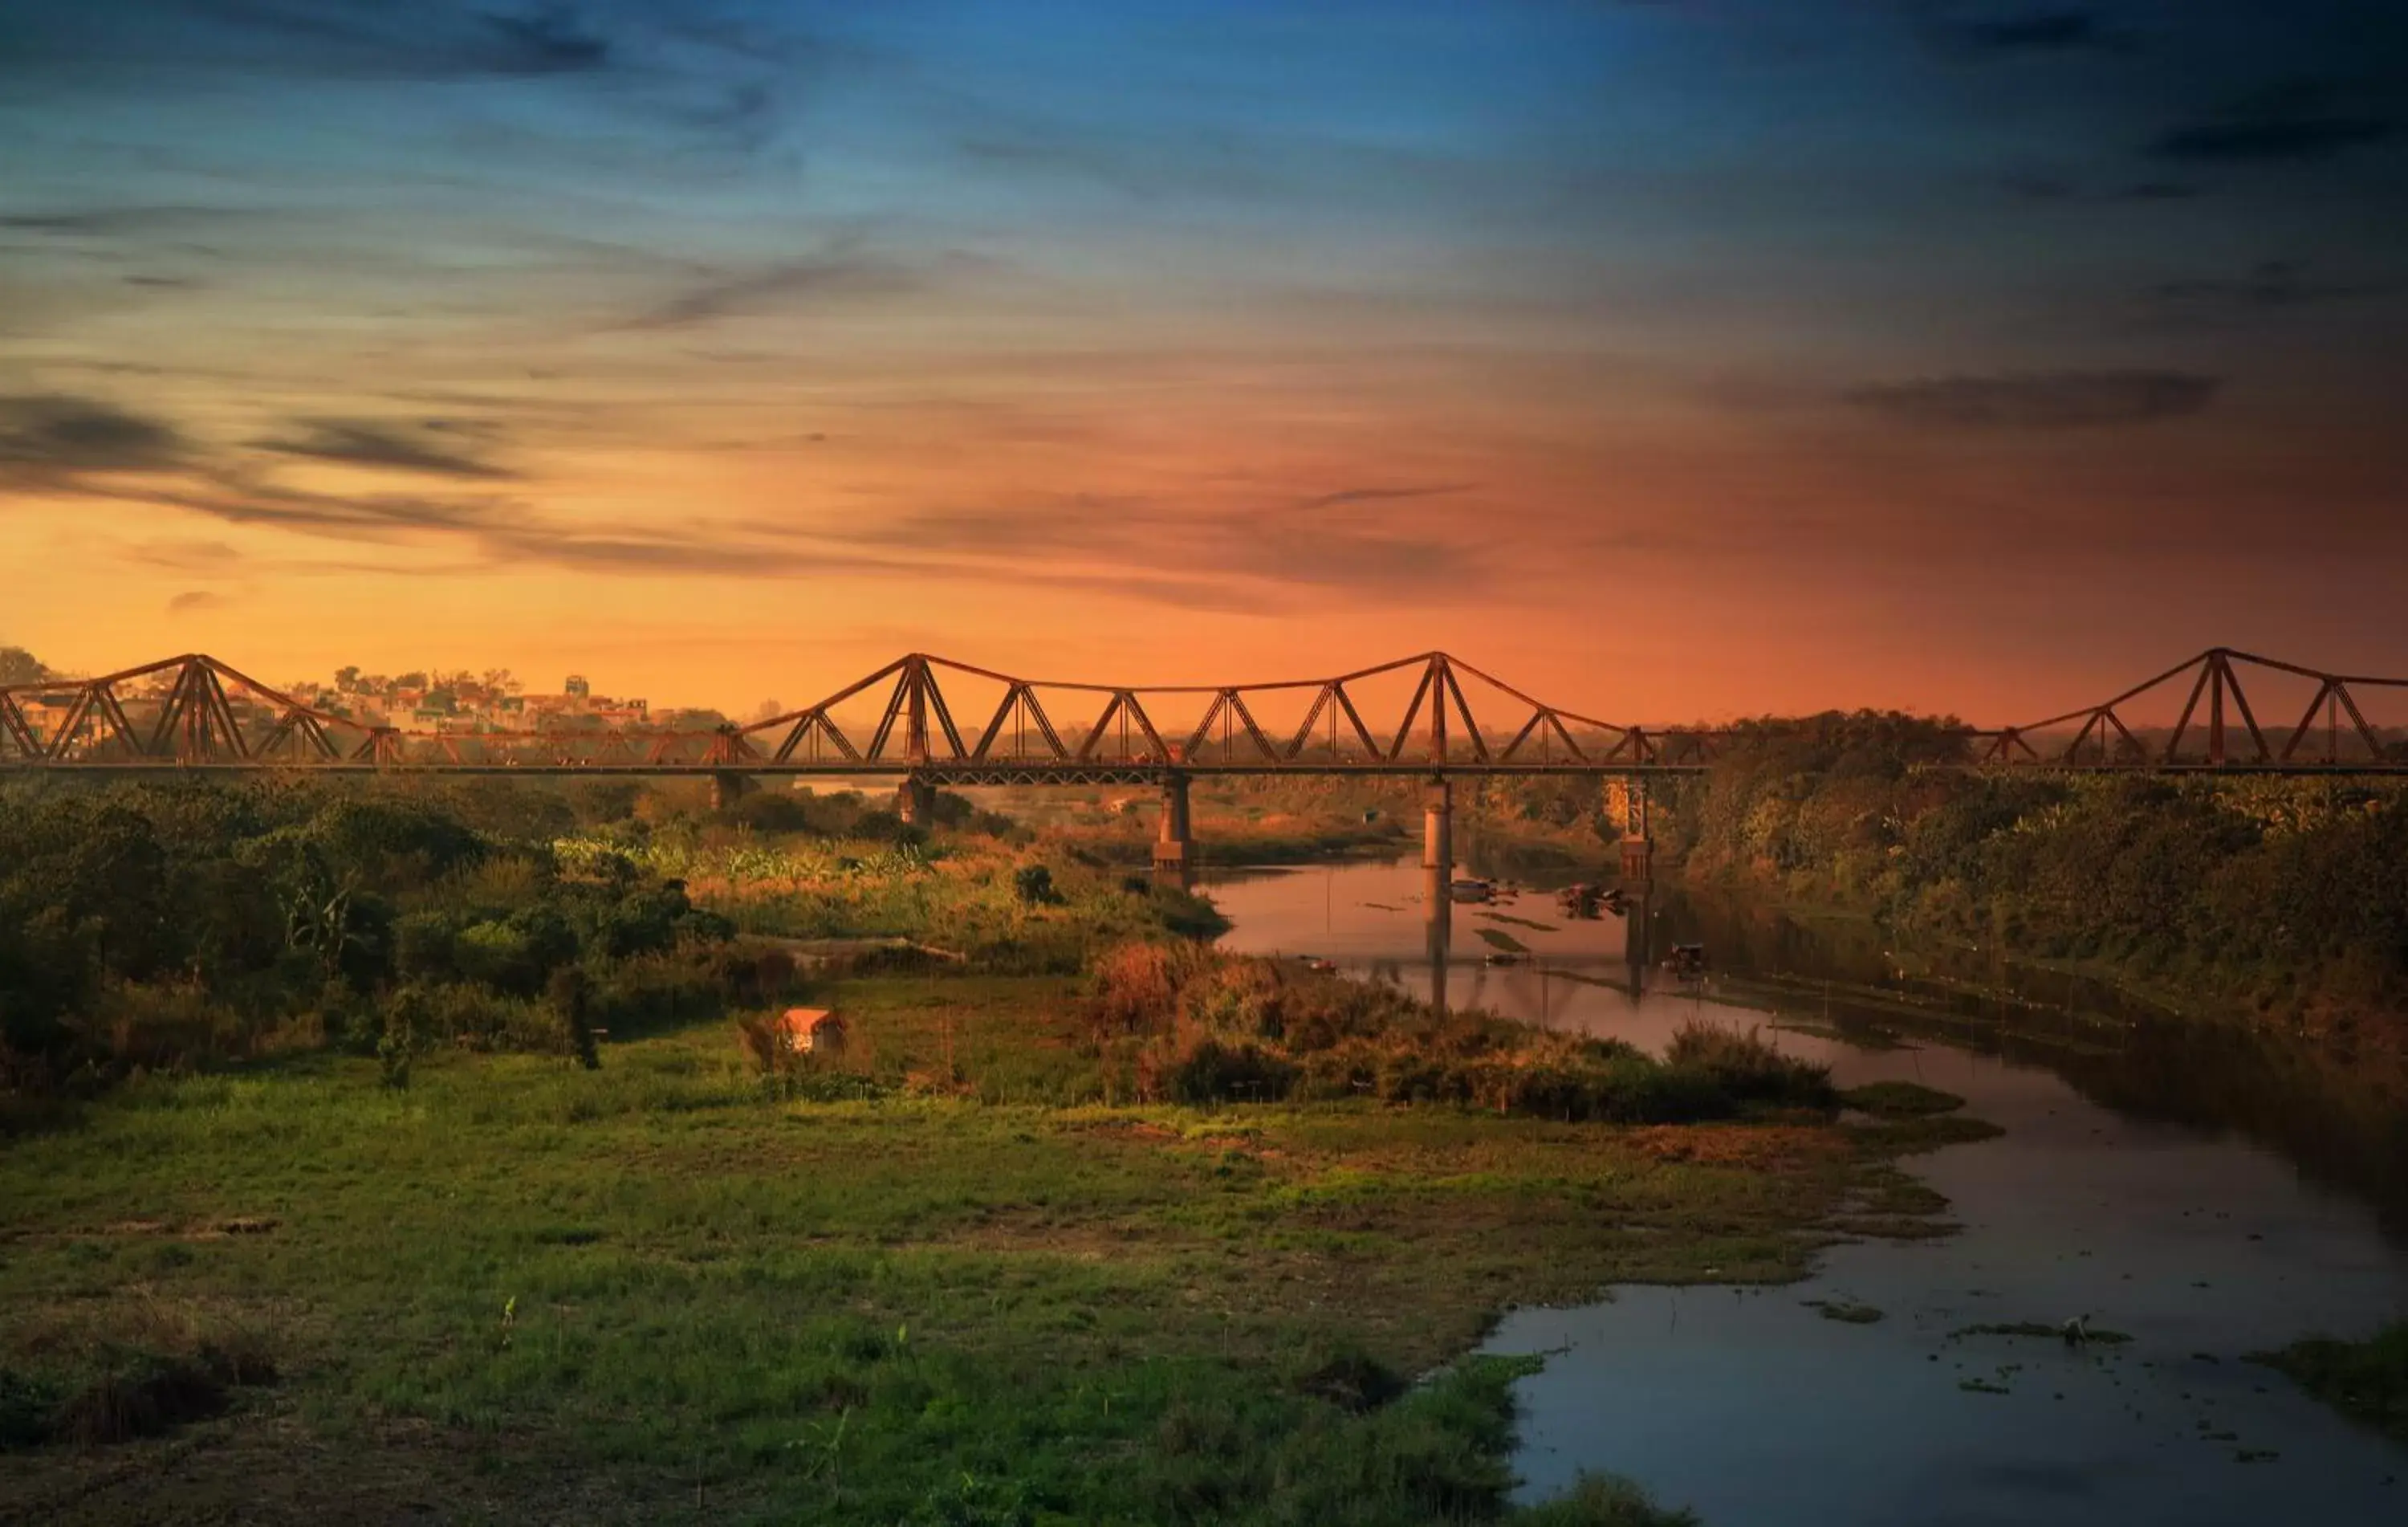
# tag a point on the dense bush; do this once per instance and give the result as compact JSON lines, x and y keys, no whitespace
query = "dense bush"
{"x":156,"y":926}
{"x":1748,"y":1068}
{"x":849,"y":814}
{"x":1206,"y":1027}
{"x":2288,"y":897}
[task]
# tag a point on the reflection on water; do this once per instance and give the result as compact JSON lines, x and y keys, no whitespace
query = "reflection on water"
{"x":2209,"y":1192}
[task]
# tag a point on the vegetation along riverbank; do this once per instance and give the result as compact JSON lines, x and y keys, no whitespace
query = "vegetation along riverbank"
{"x":432,"y":1153}
{"x":2278,"y":901}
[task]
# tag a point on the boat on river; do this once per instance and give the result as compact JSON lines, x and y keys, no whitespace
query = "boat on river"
{"x":1585,"y":901}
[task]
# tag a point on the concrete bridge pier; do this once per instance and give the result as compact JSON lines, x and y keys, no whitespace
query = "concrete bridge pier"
{"x":1441,"y":919}
{"x":915,"y":802}
{"x":1637,"y":845}
{"x":1438,"y":876}
{"x":1638,"y":939}
{"x":728,"y":787}
{"x":1437,"y":831}
{"x":1174,"y":846}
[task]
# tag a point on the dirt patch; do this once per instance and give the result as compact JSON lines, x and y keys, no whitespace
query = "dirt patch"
{"x":145,"y":1398}
{"x":1126,"y":1129}
{"x":1755,"y":1147}
{"x":273,"y":1470}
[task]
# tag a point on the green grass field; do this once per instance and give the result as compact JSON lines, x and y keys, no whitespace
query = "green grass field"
{"x":520,"y":1290}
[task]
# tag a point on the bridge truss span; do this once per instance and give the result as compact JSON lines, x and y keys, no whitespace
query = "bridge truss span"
{"x":940,"y":720}
{"x":2216,"y":727}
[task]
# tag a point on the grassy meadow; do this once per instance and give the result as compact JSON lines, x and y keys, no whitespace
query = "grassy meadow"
{"x":520,"y":1290}
{"x":453,"y":1171}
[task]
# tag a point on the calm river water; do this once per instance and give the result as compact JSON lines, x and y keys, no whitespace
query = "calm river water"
{"x":2208,"y":1193}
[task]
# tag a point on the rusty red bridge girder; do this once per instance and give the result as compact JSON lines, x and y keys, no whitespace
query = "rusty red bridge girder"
{"x":195,"y":714}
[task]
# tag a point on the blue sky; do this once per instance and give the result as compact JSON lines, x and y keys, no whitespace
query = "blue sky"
{"x":1298,"y":323}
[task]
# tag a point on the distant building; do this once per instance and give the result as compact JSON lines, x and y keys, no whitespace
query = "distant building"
{"x":576,"y":686}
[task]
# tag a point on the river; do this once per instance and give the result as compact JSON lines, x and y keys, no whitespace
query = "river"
{"x":2207,"y":1192}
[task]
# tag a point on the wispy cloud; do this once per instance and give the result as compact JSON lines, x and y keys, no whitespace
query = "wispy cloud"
{"x":2295,"y":124}
{"x":358,"y":38}
{"x":2055,"y":188}
{"x":846,"y":267}
{"x":111,"y":221}
{"x":1376,"y":495}
{"x":551,"y":40}
{"x":2047,"y":401}
{"x":2272,"y":286}
{"x":1270,"y":544}
{"x":62,"y":445}
{"x":358,"y":443}
{"x":2059,"y":29}
{"x":49,"y":438}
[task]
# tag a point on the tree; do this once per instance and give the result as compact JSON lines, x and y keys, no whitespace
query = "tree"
{"x":18,"y":666}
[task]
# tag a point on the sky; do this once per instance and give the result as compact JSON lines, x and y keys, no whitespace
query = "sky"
{"x":1676,"y":360}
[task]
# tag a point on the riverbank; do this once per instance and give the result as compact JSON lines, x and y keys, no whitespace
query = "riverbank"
{"x":2280,"y":901}
{"x":2214,"y":1190}
{"x":522,"y":1291}
{"x":2365,"y":1380}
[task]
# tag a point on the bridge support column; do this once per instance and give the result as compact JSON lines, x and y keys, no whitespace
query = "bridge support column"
{"x":1438,"y":828}
{"x":728,"y":787}
{"x":1638,"y":846}
{"x":1638,"y":939}
{"x":1438,"y":876}
{"x":915,"y":802}
{"x":1174,"y":846}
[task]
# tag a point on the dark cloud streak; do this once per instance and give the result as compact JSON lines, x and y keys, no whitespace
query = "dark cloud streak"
{"x":2057,"y":30}
{"x":1368,"y":495}
{"x":2272,"y":286}
{"x":356,"y":444}
{"x":844,"y":269}
{"x":48,"y":439}
{"x":65,"y":444}
{"x":2041,"y":402}
{"x":2297,"y":124}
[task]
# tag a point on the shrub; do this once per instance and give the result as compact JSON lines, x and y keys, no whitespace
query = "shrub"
{"x":1136,"y":986}
{"x":1748,"y":1068}
{"x":164,"y":1027}
{"x":1351,"y":1379}
{"x":1219,"y":1028}
{"x":1201,"y":1069}
{"x":141,"y":1395}
{"x":1602,"y":1500}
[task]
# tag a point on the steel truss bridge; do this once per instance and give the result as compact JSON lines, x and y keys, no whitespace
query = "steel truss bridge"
{"x":1412,"y":717}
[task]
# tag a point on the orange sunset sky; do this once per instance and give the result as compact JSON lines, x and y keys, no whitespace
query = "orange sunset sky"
{"x":1674,"y":361}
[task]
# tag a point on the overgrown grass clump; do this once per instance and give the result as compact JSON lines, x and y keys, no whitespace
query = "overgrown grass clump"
{"x":1901,"y":1099}
{"x":2366,"y":1380}
{"x":1197,"y":1025}
{"x":134,"y":1369}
